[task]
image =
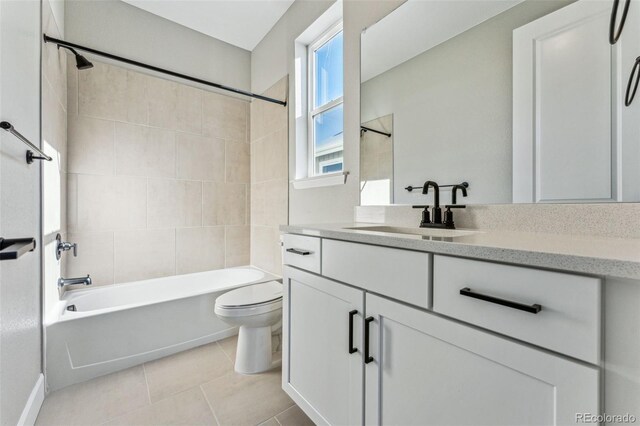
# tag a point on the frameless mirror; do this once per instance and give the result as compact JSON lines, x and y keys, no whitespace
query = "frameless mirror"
{"x":522,"y":99}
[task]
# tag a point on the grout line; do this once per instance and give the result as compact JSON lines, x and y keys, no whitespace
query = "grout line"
{"x":209,"y":404}
{"x":284,"y":411}
{"x":225,"y":352}
{"x":146,"y":381}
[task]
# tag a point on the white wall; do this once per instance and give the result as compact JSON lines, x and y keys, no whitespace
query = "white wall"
{"x":273,"y":58}
{"x":20,"y":280}
{"x":119,"y":28}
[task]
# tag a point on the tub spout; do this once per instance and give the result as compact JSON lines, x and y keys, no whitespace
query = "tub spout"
{"x":65,"y":282}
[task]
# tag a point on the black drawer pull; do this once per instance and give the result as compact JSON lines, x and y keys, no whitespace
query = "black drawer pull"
{"x":351,"y":315}
{"x":635,"y":75}
{"x":299,"y":251}
{"x":614,"y":35}
{"x":534,"y":309}
{"x":367,"y":358}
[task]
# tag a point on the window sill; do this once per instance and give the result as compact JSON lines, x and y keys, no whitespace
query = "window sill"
{"x":330,"y":179}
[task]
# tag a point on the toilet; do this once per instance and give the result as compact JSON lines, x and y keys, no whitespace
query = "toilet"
{"x":255,"y":309}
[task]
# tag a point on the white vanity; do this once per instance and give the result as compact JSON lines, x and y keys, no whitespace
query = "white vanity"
{"x":391,"y":328}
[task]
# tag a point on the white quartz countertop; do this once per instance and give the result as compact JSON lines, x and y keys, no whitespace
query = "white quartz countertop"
{"x":614,"y":257}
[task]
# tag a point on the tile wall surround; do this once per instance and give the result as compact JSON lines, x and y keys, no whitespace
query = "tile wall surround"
{"x":269,"y":178}
{"x":54,"y":143}
{"x":158,"y":176}
{"x":621,"y":220}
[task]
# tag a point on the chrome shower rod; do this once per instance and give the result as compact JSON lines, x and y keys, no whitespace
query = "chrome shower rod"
{"x":59,"y":42}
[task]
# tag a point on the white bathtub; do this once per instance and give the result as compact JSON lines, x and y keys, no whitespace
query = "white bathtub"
{"x":118,"y":326}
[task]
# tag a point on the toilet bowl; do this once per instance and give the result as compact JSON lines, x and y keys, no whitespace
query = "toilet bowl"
{"x":255,"y":309}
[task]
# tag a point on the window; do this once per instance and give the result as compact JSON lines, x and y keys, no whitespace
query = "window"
{"x":325,"y":119}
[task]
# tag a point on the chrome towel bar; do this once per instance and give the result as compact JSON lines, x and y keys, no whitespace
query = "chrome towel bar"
{"x":5,"y":125}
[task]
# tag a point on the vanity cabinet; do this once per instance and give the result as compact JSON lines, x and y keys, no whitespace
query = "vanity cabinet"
{"x":322,"y":367}
{"x":363,"y":346}
{"x":428,"y":370}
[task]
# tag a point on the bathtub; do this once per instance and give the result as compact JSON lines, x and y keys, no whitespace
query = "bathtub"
{"x":118,"y":326}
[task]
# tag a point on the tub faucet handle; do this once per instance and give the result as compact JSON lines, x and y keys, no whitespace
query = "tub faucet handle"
{"x":65,"y":246}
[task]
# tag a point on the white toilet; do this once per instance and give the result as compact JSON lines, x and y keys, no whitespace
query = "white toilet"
{"x":255,"y":309}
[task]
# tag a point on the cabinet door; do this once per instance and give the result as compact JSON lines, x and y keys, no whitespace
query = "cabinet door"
{"x":319,"y":371}
{"x":427,"y":370}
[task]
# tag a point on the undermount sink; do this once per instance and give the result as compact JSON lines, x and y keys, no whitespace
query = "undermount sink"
{"x":425,"y":232}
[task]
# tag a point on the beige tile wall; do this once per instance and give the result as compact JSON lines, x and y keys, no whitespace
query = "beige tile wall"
{"x":159,"y":176}
{"x":269,"y":178}
{"x":54,"y":143}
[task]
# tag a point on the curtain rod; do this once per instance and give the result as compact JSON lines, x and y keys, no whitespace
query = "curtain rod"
{"x":59,"y":42}
{"x":369,"y":129}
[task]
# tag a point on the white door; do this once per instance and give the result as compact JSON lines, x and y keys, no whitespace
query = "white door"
{"x":568,"y":109}
{"x":427,"y":370}
{"x":322,"y":368}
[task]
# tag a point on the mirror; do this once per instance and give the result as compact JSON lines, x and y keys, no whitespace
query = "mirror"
{"x":522,"y":99}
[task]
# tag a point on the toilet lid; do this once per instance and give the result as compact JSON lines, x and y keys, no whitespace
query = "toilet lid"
{"x":251,"y":295}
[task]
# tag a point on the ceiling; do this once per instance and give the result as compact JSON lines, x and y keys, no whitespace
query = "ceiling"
{"x":242,"y":23}
{"x":419,"y":25}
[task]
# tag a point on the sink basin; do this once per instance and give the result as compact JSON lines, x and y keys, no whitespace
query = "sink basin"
{"x":424,"y":232}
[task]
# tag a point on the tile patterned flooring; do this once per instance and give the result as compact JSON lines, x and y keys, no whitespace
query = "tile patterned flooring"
{"x":195,"y":387}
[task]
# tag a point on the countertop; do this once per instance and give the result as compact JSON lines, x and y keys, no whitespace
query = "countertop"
{"x":613,"y":257}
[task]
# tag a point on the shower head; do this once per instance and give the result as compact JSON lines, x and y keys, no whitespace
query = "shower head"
{"x":82,"y":63}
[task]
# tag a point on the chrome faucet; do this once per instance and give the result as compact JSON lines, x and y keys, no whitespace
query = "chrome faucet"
{"x":65,"y":282}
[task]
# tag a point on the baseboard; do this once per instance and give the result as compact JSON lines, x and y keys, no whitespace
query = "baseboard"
{"x":32,"y":408}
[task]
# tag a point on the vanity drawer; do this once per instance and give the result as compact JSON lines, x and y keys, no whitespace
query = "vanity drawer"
{"x":302,"y":252}
{"x":399,"y":274}
{"x":554,"y":310}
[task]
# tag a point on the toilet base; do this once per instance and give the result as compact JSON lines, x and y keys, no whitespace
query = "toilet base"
{"x":253,"y":354}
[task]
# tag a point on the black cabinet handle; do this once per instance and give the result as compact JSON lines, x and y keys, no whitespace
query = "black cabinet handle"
{"x":614,"y":34}
{"x":635,"y":75}
{"x":534,"y":309}
{"x":367,"y":358}
{"x":299,"y":251}
{"x":351,"y":315}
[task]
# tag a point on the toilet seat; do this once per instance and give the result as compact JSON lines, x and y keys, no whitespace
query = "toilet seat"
{"x":250,"y":300}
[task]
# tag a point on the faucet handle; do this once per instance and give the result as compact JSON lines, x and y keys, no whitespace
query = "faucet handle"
{"x":420,"y":207}
{"x":455,"y":206}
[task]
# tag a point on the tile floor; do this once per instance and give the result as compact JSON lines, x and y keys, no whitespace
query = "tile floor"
{"x":195,"y":387}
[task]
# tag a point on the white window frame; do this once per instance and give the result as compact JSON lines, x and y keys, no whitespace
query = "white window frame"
{"x":311,"y":86}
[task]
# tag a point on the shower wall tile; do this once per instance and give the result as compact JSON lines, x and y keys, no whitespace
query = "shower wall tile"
{"x":174,"y":203}
{"x":224,"y":204}
{"x":137,"y":98}
{"x":160,"y":168}
{"x":143,"y":254}
{"x":145,"y":151}
{"x":95,"y":257}
{"x":267,"y":117}
{"x":189,"y":109}
{"x":91,"y":145}
{"x":102,"y":92}
{"x":237,"y":246}
{"x":111,"y":202}
{"x":200,"y":249}
{"x":266,"y":249}
{"x":200,"y":158}
{"x":72,"y":86}
{"x":237,"y":162}
{"x":269,"y":179}
{"x":225,"y":117}
{"x":162,"y":99}
{"x":54,"y":107}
